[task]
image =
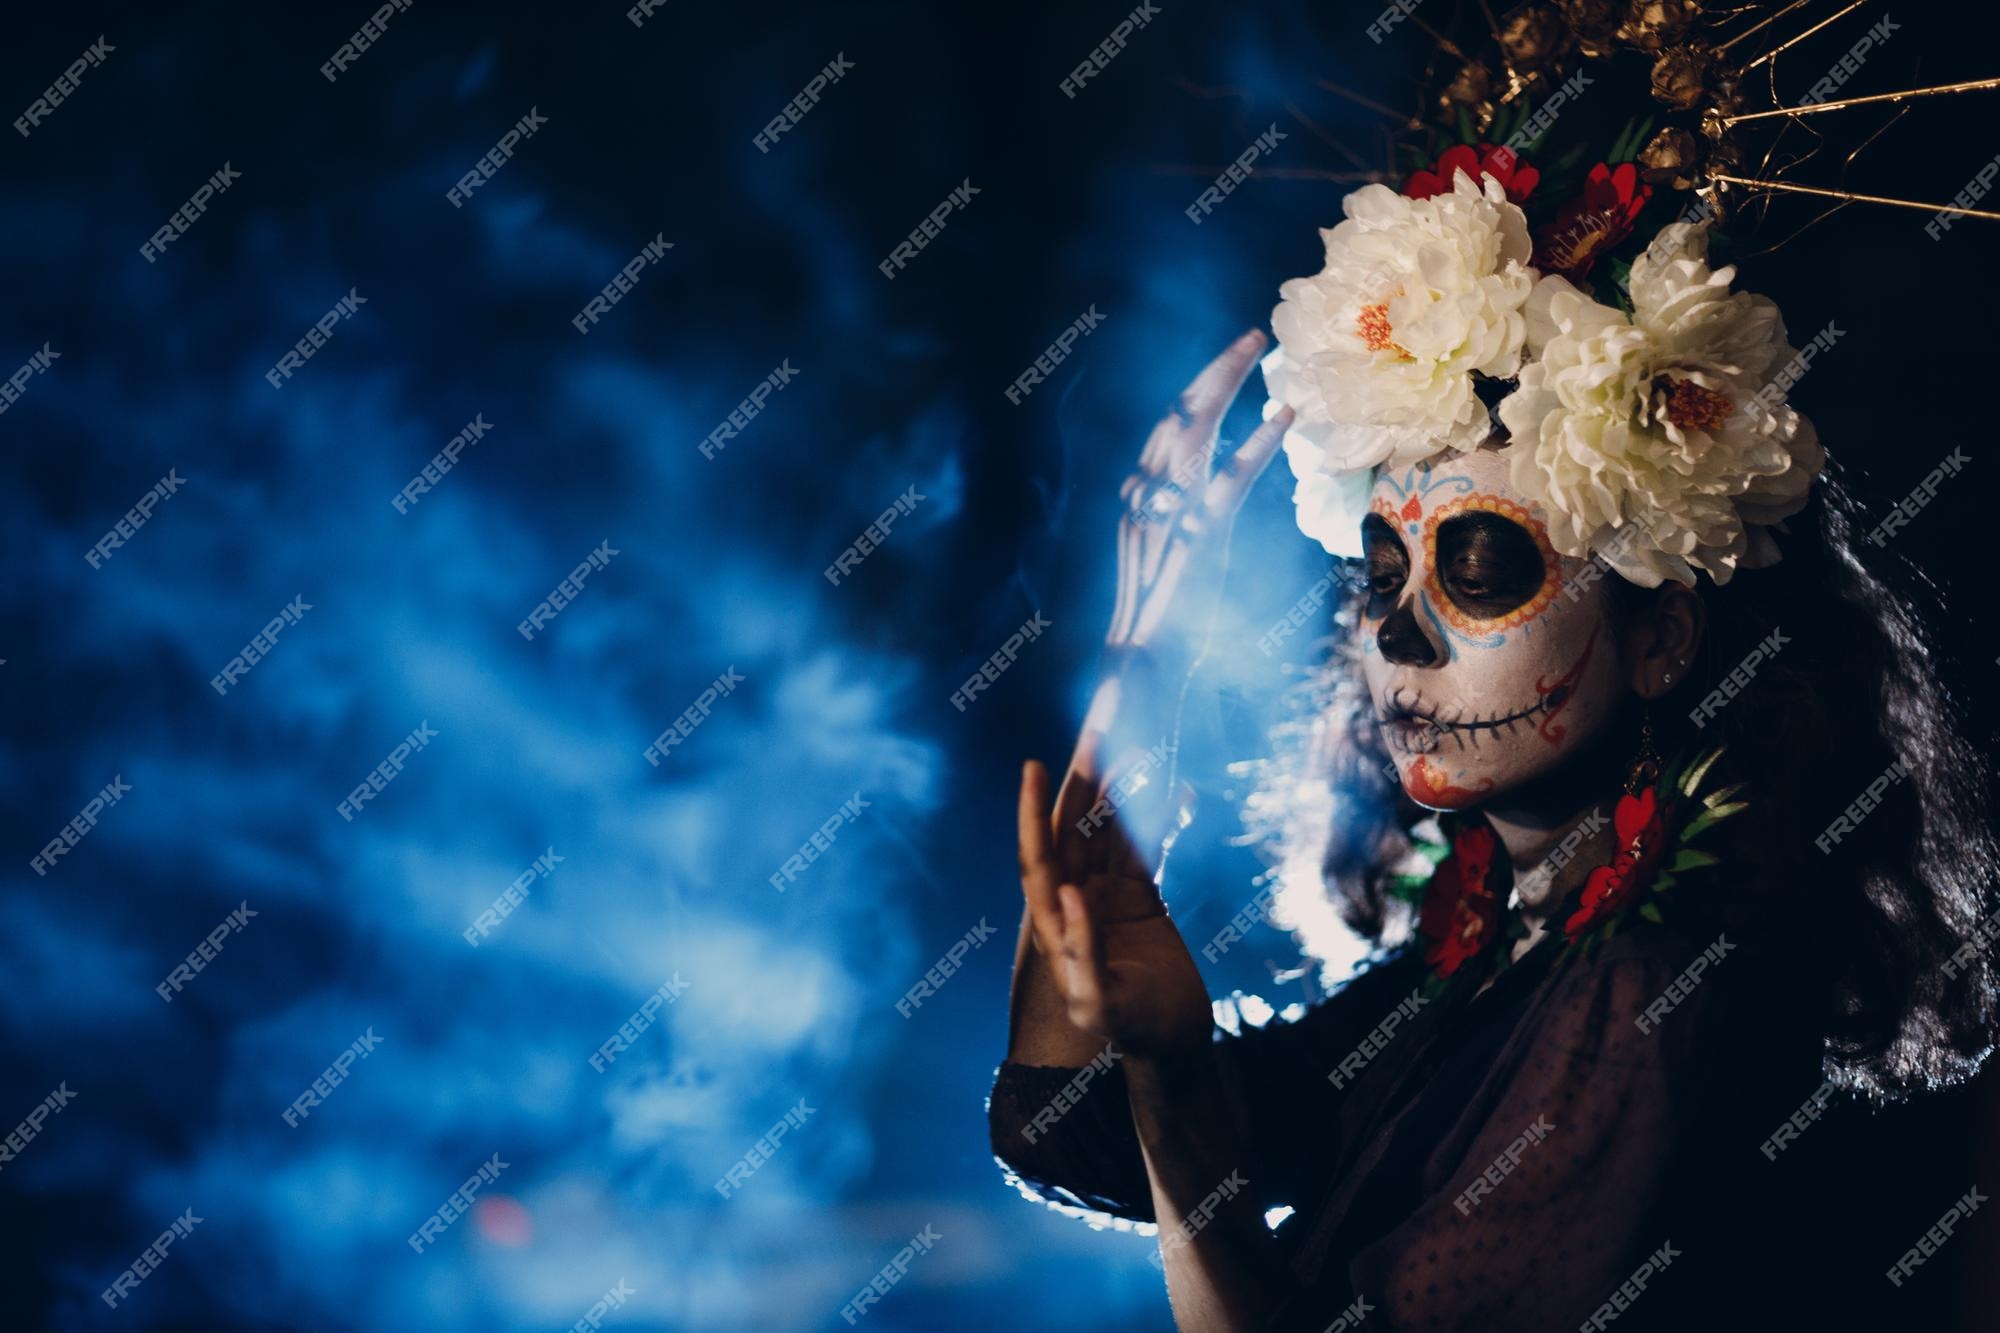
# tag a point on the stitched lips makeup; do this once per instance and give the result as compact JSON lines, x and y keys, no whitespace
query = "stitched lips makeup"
{"x":1411,"y":724}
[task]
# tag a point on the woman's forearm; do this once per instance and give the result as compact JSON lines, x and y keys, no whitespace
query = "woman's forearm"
{"x":1224,"y":1272}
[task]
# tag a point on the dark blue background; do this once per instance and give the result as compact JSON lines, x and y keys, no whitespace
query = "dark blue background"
{"x":593,"y":438}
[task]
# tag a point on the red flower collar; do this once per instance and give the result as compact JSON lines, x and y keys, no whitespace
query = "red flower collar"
{"x":1460,"y":909}
{"x":1640,"y":823}
{"x":1656,"y":830}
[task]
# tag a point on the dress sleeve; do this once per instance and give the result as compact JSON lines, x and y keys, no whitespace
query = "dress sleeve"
{"x":1533,"y":1215}
{"x":1066,"y":1137}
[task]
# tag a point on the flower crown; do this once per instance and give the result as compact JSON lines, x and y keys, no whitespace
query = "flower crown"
{"x":1561,"y":292}
{"x":1653,"y":434}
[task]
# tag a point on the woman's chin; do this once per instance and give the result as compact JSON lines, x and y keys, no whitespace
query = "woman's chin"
{"x":1429,"y":784}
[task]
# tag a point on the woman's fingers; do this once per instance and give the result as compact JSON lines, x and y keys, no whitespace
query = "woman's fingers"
{"x":1205,"y":400}
{"x":1083,"y":966}
{"x":1038,"y":870}
{"x":1233,"y":480}
{"x":1182,"y":434}
{"x":1125,"y":607}
{"x":1152,"y":613}
{"x":1079,"y":794}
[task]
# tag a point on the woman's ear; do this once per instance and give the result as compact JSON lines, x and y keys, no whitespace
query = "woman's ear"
{"x":1661,"y":643}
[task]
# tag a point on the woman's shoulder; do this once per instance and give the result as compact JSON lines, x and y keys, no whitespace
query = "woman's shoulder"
{"x":1692,"y":993}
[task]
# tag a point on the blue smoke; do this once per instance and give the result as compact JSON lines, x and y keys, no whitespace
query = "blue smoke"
{"x":408,"y":620}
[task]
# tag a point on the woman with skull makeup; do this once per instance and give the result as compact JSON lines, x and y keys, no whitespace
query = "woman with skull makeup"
{"x":1639,"y":779}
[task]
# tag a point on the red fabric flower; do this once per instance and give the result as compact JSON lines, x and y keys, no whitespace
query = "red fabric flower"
{"x":1640,"y":822}
{"x":1593,"y":222}
{"x":1460,"y":910}
{"x":1503,"y":164}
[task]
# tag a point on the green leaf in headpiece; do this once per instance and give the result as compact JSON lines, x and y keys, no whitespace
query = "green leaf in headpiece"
{"x":1722,"y":794}
{"x":1708,"y":818}
{"x":1697,"y":770}
{"x":1626,"y":147}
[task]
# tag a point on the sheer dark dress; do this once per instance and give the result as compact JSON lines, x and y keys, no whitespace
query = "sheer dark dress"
{"x":1650,"y":1151}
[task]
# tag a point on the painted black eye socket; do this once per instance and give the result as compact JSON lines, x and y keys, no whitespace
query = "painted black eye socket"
{"x":1488,"y":564}
{"x":1387,"y":564}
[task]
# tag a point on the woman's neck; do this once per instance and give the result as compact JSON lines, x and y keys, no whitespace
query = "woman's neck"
{"x":1555,"y":835}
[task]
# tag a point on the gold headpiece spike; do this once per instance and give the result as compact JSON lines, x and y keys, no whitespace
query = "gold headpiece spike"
{"x":1756,"y":28}
{"x":1825,"y":213}
{"x":1970,"y":86}
{"x":1444,"y":43}
{"x":1402,"y":117}
{"x":1887,"y":125}
{"x":1781,"y":48}
{"x":1492,"y":24}
{"x":1831,"y":209}
{"x":1515,"y":83}
{"x":1327,"y":139}
{"x":1851,"y":197}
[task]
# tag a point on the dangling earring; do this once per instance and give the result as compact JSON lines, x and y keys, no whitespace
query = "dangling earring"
{"x":1645,"y":769}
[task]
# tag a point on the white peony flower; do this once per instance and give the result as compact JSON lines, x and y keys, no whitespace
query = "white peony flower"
{"x":1377,"y":352}
{"x":1328,"y":504}
{"x":1661,"y":420}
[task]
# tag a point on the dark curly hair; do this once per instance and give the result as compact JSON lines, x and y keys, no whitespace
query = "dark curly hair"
{"x":1853,"y":693}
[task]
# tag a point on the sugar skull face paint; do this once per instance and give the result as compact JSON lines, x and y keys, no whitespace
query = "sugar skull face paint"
{"x":1488,"y":660}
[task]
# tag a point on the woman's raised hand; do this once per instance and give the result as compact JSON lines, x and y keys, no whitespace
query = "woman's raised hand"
{"x":1174,"y":534}
{"x":1112,"y":965}
{"x":1121,"y":968}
